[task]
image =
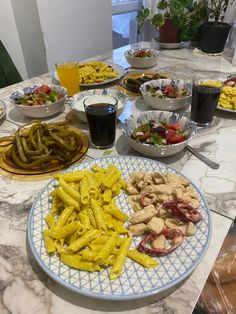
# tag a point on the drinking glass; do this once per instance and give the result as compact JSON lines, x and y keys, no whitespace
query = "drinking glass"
{"x":101,"y":114}
{"x":205,"y":96}
{"x":68,"y":74}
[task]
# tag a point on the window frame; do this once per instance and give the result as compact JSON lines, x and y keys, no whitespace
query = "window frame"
{"x":126,"y":6}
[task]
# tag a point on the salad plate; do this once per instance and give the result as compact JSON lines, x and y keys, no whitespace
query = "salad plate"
{"x":135,"y":281}
{"x":116,"y":67}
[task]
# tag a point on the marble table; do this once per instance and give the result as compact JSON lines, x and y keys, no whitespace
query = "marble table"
{"x":25,"y":288}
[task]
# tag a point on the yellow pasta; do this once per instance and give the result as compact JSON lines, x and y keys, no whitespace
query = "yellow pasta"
{"x":143,"y":259}
{"x":120,"y":259}
{"x":67,"y":198}
{"x":49,"y":242}
{"x":69,"y":190}
{"x":84,"y":223}
{"x":98,"y":214}
{"x":75,"y":261}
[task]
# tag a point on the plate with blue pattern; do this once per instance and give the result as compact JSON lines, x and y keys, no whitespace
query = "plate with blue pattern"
{"x":135,"y":281}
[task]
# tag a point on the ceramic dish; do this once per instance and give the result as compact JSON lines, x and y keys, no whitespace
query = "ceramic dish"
{"x":39,"y":111}
{"x":2,"y":109}
{"x":151,"y":150}
{"x":169,"y":45}
{"x":135,"y":281}
{"x":143,"y":62}
{"x":78,"y":106}
{"x":116,"y":67}
{"x":166,"y":103}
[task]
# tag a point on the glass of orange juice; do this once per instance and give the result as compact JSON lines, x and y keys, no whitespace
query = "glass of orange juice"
{"x":68,"y":74}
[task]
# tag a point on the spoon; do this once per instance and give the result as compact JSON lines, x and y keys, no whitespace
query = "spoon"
{"x":206,"y":160}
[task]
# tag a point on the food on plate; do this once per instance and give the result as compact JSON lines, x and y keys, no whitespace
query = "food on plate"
{"x":133,"y":81}
{"x":165,"y":211}
{"x":41,"y":95}
{"x":171,"y":90}
{"x":228,"y":95}
{"x":141,"y":53}
{"x":41,"y":145}
{"x":96,"y":72}
{"x":84,"y":225}
{"x":159,"y":133}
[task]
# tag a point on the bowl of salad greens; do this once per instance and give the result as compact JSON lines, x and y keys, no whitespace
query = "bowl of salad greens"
{"x":39,"y":101}
{"x":158,"y":133}
{"x":142,"y":58}
{"x":167,"y":94}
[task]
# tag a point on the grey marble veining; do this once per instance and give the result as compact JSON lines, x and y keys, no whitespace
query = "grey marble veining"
{"x":25,"y":288}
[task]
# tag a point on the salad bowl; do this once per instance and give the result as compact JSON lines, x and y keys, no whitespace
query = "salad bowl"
{"x":158,"y":133}
{"x":39,"y":101}
{"x":142,"y":57}
{"x":167,"y":94}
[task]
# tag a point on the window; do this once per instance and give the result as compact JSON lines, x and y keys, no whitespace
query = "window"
{"x":123,"y":12}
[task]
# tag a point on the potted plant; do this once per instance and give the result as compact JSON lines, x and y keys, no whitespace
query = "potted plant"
{"x":214,"y":32}
{"x":181,"y":18}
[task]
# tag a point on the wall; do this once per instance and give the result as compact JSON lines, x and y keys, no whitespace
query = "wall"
{"x":75,"y":30}
{"x":10,"y":37}
{"x":30,"y":35}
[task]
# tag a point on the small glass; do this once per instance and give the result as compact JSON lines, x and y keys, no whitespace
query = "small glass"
{"x":205,"y":96}
{"x":101,"y":114}
{"x":68,"y":74}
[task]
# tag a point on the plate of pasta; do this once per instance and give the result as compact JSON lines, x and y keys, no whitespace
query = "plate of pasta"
{"x":96,"y":73}
{"x":78,"y":231}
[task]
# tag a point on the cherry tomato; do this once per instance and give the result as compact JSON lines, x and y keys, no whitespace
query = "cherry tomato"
{"x":43,"y":89}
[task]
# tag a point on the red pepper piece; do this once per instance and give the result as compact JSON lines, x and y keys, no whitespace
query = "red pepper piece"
{"x":175,"y":236}
{"x":183,"y":211}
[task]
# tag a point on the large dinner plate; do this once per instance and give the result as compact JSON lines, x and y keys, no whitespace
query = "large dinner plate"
{"x":135,"y":280}
{"x":225,"y":109}
{"x":116,"y":67}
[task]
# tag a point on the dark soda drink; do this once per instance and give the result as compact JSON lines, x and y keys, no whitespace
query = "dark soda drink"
{"x":204,"y":102}
{"x":101,"y":118}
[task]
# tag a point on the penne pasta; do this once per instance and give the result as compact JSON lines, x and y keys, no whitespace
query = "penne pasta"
{"x":63,"y":218}
{"x":69,"y":190}
{"x":84,"y":191}
{"x":82,"y":241}
{"x":98,"y":214}
{"x":49,"y":242}
{"x":68,"y":199}
{"x":120,"y":259}
{"x":143,"y":259}
{"x":106,"y":249}
{"x":75,"y":261}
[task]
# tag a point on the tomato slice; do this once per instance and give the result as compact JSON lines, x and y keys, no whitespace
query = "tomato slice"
{"x":176,"y":138}
{"x":173,"y":126}
{"x":43,"y":89}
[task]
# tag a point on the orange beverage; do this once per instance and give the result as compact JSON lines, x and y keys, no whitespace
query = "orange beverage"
{"x":68,"y":74}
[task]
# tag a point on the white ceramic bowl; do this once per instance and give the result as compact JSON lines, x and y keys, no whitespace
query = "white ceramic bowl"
{"x":157,"y":150}
{"x":78,"y":99}
{"x":166,"y":103}
{"x":40,"y":111}
{"x":142,"y":62}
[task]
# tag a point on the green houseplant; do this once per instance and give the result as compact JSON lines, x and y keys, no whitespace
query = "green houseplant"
{"x":186,"y":16}
{"x":214,"y":32}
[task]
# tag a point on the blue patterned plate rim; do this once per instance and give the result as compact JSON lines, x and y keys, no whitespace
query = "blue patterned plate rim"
{"x":124,"y":296}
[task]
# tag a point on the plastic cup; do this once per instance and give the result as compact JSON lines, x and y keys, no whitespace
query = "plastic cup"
{"x":101,"y":114}
{"x":68,"y":74}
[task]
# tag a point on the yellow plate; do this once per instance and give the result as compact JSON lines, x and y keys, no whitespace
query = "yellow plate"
{"x":9,"y":169}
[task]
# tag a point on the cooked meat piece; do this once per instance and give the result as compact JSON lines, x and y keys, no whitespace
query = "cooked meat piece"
{"x":175,"y":179}
{"x":155,"y":225}
{"x":138,"y":229}
{"x":143,"y":215}
{"x":190,"y":229}
{"x":159,"y":243}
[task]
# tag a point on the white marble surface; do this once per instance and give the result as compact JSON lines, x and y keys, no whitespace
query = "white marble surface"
{"x":25,"y":288}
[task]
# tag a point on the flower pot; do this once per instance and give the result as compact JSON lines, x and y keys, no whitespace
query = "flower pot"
{"x":213,"y":36}
{"x":168,"y":33}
